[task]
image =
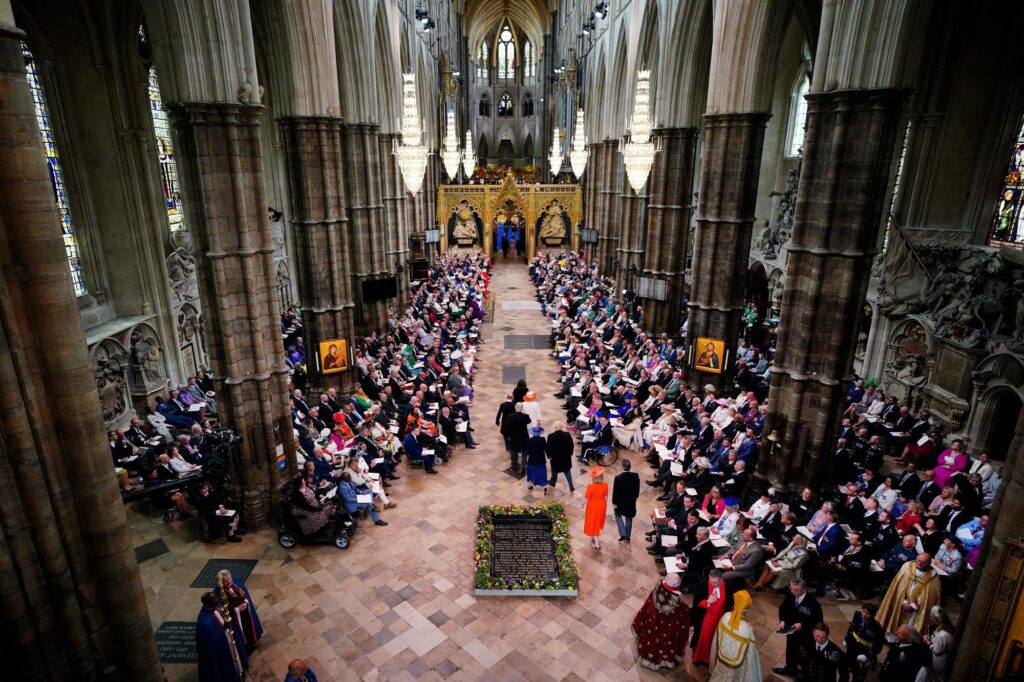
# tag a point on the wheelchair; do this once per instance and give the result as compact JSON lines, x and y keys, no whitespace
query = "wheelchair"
{"x":605,"y":455}
{"x":338,"y":531}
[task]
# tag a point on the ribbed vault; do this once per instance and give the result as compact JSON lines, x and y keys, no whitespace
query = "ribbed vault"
{"x":531,"y":16}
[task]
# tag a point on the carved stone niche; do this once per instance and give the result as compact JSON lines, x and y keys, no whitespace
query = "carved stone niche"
{"x":110,"y":368}
{"x":148,"y":365}
{"x":908,"y":362}
{"x":949,"y":389}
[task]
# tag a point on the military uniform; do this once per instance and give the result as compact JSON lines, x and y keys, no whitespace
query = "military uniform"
{"x":863,"y":638}
{"x":903,"y":663}
{"x":825,"y":664}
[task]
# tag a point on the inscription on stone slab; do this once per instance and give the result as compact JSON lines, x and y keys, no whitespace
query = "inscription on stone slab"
{"x":523,"y":548}
{"x":176,"y":642}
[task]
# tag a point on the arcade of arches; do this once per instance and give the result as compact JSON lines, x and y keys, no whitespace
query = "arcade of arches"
{"x":184,"y":183}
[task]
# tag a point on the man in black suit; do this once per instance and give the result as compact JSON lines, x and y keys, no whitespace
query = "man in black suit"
{"x":908,"y":482}
{"x":825,"y":661}
{"x":928,"y":490}
{"x":699,"y":559}
{"x":559,"y":449}
{"x":952,"y":516}
{"x":625,"y":490}
{"x":516,"y":427}
{"x":801,"y":612}
{"x":505,"y":409}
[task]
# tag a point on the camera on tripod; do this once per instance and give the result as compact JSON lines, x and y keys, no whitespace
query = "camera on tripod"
{"x":222,"y":437}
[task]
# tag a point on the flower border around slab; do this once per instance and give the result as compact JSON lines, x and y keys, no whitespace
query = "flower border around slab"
{"x":567,"y":583}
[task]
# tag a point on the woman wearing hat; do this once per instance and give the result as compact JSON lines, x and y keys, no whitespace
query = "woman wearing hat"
{"x":536,"y":459}
{"x":597,"y":506}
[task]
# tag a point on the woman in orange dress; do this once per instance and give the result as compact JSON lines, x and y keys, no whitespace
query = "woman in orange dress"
{"x":597,"y":506}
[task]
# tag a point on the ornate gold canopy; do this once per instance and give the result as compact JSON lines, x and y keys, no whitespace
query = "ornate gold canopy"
{"x":532,"y":200}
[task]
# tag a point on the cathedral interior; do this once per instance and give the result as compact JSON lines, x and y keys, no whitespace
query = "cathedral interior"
{"x":176,"y":175}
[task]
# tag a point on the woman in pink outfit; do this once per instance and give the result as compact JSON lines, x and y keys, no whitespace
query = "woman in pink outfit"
{"x":950,"y":462}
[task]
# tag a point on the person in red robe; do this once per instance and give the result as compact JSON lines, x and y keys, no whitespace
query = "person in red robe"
{"x":708,"y":607}
{"x":662,"y":626}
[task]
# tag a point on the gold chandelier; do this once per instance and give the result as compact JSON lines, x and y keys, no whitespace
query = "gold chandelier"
{"x":411,"y":152}
{"x":638,"y":153}
{"x":468,"y":156}
{"x":578,"y":151}
{"x":450,"y":155}
{"x":555,"y":158}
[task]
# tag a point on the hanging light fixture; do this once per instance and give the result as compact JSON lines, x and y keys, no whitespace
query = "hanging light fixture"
{"x":450,"y":154}
{"x":468,"y":156}
{"x":411,"y":152}
{"x":578,"y":151}
{"x":555,"y":159}
{"x":638,"y":153}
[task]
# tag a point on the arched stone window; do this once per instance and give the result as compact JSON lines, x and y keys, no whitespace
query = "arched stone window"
{"x":1008,"y":223}
{"x":798,"y":115}
{"x":529,"y":63}
{"x":506,"y":54}
{"x":485,"y":106}
{"x":482,"y":64}
{"x":505,"y":105}
{"x":528,"y":105}
{"x":53,"y":164}
{"x":165,"y":154}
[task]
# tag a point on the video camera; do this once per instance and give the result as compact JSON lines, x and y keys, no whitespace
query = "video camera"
{"x":221,"y":437}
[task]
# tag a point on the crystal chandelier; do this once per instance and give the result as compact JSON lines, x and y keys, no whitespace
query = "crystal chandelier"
{"x":450,"y":153}
{"x":578,"y":151}
{"x":411,"y":152}
{"x":638,"y":153}
{"x":468,"y":156}
{"x":555,"y":159}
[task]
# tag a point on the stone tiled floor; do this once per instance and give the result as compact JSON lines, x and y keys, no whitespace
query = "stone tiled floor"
{"x":399,"y":604}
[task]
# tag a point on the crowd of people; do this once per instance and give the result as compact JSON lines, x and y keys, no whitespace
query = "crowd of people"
{"x":901,"y":521}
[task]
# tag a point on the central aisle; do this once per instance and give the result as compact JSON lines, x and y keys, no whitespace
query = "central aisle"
{"x":399,"y":604}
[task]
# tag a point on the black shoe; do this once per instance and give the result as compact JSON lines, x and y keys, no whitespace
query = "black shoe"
{"x":386,"y":484}
{"x":234,"y":538}
{"x":431,"y":472}
{"x":662,"y":498}
{"x":662,"y":572}
{"x":380,"y":522}
{"x":651,"y":483}
{"x":392,"y":477}
{"x":626,"y":539}
{"x":652,"y":551}
{"x":782,"y":670}
{"x":621,"y":538}
{"x":471,"y":447}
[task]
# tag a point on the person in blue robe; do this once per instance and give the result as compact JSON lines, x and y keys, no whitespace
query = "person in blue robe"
{"x":298,"y":671}
{"x":220,"y":659}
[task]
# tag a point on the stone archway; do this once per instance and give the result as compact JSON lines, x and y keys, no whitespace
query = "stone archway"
{"x":999,"y":390}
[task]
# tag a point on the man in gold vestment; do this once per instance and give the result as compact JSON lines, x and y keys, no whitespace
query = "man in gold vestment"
{"x":912,"y":594}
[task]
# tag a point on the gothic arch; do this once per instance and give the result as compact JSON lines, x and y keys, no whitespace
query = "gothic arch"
{"x":618,"y":106}
{"x":997,"y":376}
{"x":389,"y":89}
{"x":649,"y":50}
{"x":682,"y":96}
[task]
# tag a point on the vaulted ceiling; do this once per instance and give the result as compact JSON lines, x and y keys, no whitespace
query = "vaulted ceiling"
{"x":531,"y":16}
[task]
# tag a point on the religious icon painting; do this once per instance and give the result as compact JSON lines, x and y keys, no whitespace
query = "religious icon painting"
{"x":333,"y":356}
{"x":710,"y":355}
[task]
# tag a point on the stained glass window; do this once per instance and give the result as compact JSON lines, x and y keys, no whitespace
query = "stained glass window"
{"x":505,"y":105}
{"x":60,"y":192}
{"x":1008,"y":223}
{"x":482,"y":62}
{"x":506,"y":55}
{"x":529,"y":65}
{"x":165,"y":150}
{"x":798,"y":121}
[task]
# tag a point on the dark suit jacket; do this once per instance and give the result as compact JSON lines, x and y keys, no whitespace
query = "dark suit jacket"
{"x":559,"y":449}
{"x":625,"y":490}
{"x":517,"y":425}
{"x":699,"y":560}
{"x":505,"y":409}
{"x":808,"y":614}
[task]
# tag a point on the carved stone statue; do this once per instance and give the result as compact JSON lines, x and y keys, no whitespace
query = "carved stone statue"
{"x":552,"y":226}
{"x":464,"y":230}
{"x":108,"y":368}
{"x":146,"y":355}
{"x":181,"y":272}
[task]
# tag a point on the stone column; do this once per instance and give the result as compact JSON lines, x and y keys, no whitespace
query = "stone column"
{"x":730,"y":167}
{"x":632,"y":227}
{"x":590,"y":195}
{"x":990,"y":594}
{"x":668,"y":221}
{"x":395,"y":220}
{"x":848,"y":152}
{"x":222,"y":174}
{"x":366,"y":217}
{"x":608,"y":227}
{"x":316,"y":190}
{"x":72,"y":603}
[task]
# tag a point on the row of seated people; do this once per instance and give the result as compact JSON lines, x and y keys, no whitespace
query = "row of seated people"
{"x":413,"y":399}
